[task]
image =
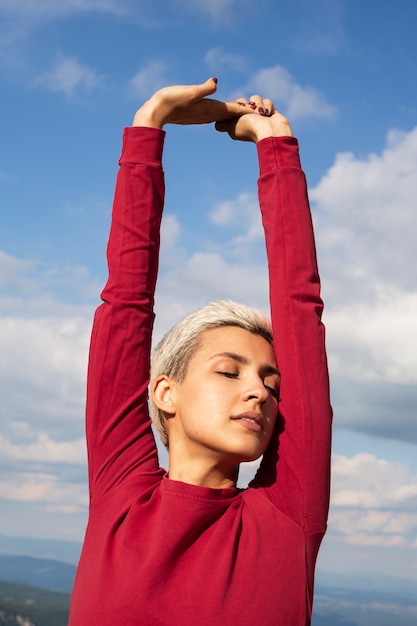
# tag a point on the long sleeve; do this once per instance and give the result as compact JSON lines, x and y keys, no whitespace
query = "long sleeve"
{"x":119,"y":437}
{"x":295,"y":471}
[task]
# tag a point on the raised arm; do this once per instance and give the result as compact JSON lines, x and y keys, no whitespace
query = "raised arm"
{"x":119,"y":436}
{"x":295,"y":475}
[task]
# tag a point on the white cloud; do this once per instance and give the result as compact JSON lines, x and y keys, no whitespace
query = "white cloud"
{"x":208,"y":275}
{"x":43,"y":488}
{"x":52,"y":8}
{"x":218,"y":61}
{"x":43,"y":380}
{"x":42,"y":377}
{"x":234,"y":268}
{"x":365,"y":217}
{"x":365,"y":214}
{"x":150,"y":78}
{"x":371,"y":341}
{"x":373,"y":501}
{"x":295,"y":101}
{"x":240,"y":214}
{"x":67,"y":76}
{"x":364,"y":481}
{"x":42,"y":386}
{"x":20,"y":18}
{"x":170,"y":232}
{"x":14,"y":272}
{"x":374,"y":528}
{"x":27,"y":285}
{"x":216,"y":9}
{"x":45,"y":450}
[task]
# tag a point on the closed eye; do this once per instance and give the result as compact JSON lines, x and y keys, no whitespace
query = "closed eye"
{"x":274,"y":392}
{"x":228,"y":374}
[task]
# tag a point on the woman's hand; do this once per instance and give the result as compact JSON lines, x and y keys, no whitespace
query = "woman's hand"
{"x":264,"y":121}
{"x":188,"y":104}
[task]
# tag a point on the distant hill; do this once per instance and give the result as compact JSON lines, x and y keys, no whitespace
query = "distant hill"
{"x":44,"y":573}
{"x":27,"y":606}
{"x":361,"y":600}
{"x":55,"y":549}
{"x":351,"y":599}
{"x":10,"y":618}
{"x":361,"y":610}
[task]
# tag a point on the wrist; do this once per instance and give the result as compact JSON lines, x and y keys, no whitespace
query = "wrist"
{"x":283,"y":130}
{"x":148,"y":115}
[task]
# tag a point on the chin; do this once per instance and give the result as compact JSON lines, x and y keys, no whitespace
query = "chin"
{"x":253,"y":457}
{"x":248,"y":457}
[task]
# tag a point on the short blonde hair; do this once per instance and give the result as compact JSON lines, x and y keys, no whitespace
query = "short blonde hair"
{"x":173,"y":353}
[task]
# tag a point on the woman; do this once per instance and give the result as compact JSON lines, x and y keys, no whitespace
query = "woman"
{"x":188,"y":547}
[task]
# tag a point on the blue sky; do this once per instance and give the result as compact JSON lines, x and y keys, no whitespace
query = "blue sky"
{"x":71,"y":76}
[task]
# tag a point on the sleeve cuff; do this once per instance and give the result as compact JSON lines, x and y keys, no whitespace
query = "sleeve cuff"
{"x":142,"y":145}
{"x":277,"y":152}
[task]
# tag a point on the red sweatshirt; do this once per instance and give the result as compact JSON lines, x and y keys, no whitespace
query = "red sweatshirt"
{"x":160,"y":552}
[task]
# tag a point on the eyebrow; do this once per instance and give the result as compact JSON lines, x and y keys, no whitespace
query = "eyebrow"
{"x":239,"y":358}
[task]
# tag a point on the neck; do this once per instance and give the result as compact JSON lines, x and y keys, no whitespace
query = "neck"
{"x":204,"y":471}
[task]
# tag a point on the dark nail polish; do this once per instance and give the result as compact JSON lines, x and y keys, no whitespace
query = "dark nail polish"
{"x":215,"y":80}
{"x":261,"y":111}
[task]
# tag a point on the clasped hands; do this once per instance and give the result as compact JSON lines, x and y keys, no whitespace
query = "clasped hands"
{"x":244,"y":120}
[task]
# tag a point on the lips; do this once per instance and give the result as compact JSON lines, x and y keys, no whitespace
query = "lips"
{"x":251,"y":420}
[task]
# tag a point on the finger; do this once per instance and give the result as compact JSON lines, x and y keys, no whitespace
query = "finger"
{"x":244,"y":101}
{"x":256,"y":98}
{"x":268,"y":105}
{"x":204,"y":89}
{"x":239,"y":107}
{"x":259,"y":104}
{"x":184,"y":95}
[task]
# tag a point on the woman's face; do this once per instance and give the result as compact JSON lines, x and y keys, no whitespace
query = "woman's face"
{"x":228,"y":400}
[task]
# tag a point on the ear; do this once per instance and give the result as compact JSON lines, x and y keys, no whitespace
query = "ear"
{"x":163,"y":393}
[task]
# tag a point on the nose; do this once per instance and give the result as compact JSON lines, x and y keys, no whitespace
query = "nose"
{"x":255,"y":389}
